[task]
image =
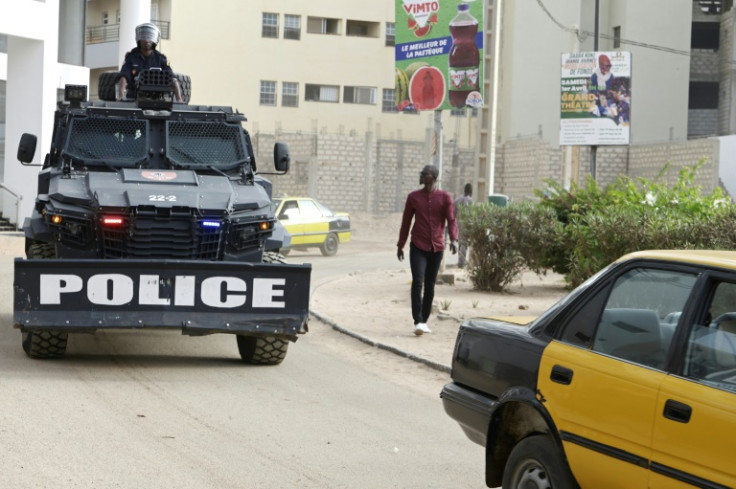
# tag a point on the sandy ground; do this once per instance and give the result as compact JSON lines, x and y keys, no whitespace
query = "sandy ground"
{"x":375,"y":306}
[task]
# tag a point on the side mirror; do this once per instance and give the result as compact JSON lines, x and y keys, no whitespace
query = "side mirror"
{"x":281,"y":158}
{"x":27,"y":148}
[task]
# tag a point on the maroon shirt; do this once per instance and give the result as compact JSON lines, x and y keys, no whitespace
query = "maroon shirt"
{"x":430,"y":210}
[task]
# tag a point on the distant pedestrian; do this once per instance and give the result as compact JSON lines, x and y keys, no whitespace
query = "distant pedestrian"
{"x":466,"y":199}
{"x":432,"y":209}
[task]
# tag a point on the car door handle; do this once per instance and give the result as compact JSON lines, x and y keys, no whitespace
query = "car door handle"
{"x":561,"y":375}
{"x":677,"y":411}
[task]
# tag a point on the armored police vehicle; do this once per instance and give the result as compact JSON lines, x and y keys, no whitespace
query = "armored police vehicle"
{"x":150,"y":214}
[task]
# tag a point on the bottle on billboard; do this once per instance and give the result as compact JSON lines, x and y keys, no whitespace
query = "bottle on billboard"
{"x":464,"y":59}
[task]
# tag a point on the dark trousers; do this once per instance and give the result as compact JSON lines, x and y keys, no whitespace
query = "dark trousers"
{"x":425,"y":265}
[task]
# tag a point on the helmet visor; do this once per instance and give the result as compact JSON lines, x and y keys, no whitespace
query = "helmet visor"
{"x":147,"y":32}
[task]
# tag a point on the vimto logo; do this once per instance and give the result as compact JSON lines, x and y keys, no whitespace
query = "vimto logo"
{"x":422,"y":15}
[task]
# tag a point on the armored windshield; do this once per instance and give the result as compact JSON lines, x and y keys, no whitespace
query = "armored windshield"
{"x":107,"y":141}
{"x":204,"y":144}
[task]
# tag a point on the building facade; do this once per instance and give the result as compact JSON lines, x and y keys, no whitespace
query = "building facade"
{"x":320,"y":76}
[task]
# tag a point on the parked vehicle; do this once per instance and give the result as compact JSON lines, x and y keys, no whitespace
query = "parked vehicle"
{"x":629,"y":381}
{"x":150,"y":214}
{"x":312,"y":225}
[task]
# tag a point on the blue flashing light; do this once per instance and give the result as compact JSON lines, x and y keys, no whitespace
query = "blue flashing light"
{"x":211,"y":224}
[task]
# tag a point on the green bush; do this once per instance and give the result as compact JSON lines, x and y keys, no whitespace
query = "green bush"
{"x":505,"y":240}
{"x":601,"y":224}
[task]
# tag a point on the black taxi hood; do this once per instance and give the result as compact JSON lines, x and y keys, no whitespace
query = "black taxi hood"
{"x":159,"y":188}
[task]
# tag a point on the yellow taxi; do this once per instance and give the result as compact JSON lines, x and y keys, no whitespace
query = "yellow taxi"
{"x":312,"y":225}
{"x":629,"y":382}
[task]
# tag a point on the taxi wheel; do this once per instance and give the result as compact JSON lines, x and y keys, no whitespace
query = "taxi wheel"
{"x":329,"y":247}
{"x":535,"y":463}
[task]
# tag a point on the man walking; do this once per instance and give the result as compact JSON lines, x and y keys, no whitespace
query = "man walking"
{"x":431,"y":209}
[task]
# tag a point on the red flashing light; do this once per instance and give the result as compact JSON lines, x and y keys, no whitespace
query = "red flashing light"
{"x":112,"y":221}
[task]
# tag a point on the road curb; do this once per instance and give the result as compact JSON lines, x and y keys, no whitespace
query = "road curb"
{"x":377,"y":344}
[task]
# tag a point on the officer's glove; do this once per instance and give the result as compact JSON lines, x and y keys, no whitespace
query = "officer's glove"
{"x":453,"y":247}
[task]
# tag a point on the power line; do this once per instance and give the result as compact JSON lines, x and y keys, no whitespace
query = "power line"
{"x":583,"y":34}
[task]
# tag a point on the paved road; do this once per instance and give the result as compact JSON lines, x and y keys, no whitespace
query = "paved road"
{"x":161,"y":410}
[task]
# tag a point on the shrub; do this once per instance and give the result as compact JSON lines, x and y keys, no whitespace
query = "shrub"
{"x":505,"y":240}
{"x":601,"y":224}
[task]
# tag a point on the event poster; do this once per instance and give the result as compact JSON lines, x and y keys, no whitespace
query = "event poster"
{"x":595,"y":98}
{"x":439,"y":54}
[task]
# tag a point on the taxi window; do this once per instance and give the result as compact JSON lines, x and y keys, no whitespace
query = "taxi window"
{"x":309,"y":209}
{"x":639,"y":318}
{"x":711,"y":350}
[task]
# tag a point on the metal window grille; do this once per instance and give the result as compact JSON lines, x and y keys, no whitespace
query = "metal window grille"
{"x":390,"y":34}
{"x":292,"y":27}
{"x":389,"y":100}
{"x":290,"y":94}
{"x":270,"y":26}
{"x":268,"y":92}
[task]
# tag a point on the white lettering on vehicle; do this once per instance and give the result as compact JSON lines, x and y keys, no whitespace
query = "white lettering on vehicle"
{"x":115,"y":289}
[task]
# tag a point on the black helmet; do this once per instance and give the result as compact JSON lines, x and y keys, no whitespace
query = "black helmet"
{"x":147,"y":32}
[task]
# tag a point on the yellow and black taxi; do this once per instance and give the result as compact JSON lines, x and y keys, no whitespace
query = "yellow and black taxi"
{"x":628,"y":382}
{"x":312,"y":225}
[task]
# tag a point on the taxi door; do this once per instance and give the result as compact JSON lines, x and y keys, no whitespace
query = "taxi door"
{"x":695,"y":422}
{"x":600,"y":379}
{"x":603,"y":409}
{"x":290,"y":217}
{"x":315,"y":226}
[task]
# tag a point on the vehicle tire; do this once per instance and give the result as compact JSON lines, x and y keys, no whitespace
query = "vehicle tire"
{"x":185,"y":83}
{"x":107,"y":86}
{"x":43,"y":343}
{"x":262,"y":350}
{"x":273,"y":257}
{"x":285,"y":251}
{"x":329,"y":247}
{"x":535,"y":463}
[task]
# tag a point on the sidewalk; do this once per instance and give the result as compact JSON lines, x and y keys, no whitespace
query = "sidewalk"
{"x":375,"y":307}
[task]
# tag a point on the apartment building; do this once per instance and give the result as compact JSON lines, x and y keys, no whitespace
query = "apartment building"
{"x":289,"y":65}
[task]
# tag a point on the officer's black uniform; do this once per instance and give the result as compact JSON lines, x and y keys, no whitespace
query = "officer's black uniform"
{"x":135,"y":62}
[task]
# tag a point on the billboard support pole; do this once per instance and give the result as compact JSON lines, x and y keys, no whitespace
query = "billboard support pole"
{"x":594,"y":149}
{"x":437,"y":160}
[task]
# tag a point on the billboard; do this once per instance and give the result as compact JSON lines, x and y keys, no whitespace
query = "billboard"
{"x":439,"y":54}
{"x":595,"y":98}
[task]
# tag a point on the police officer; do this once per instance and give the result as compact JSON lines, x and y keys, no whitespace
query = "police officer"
{"x":143,"y":57}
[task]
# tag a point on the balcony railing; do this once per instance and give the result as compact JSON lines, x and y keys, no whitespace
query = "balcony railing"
{"x":111,"y":32}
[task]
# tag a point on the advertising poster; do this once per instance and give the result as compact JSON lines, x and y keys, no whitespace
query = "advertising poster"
{"x":439,"y":54}
{"x":595,"y":98}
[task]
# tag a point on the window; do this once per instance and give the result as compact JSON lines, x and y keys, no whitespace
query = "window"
{"x":292,"y":27}
{"x":270,"y":27}
{"x":457,"y":112}
{"x":359,"y":95}
{"x":390,"y":34}
{"x":617,"y":37}
{"x":703,"y":95}
{"x":641,"y":313}
{"x":268,"y":92}
{"x":389,"y":100}
{"x":361,"y":28}
{"x":321,"y":93}
{"x":105,"y":18}
{"x":117,"y":16}
{"x":705,"y":35}
{"x":711,"y":349}
{"x":290,"y":94}
{"x":323,"y":25}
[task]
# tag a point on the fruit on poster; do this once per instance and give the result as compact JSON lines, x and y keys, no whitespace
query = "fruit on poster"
{"x":427,"y":88}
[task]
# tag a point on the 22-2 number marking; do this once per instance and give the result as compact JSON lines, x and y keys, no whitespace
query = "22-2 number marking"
{"x":162,"y":198}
